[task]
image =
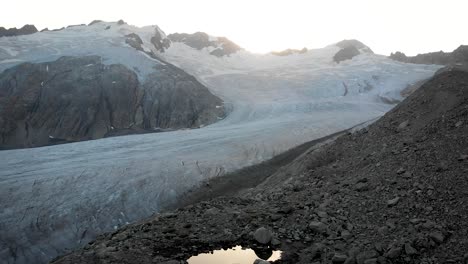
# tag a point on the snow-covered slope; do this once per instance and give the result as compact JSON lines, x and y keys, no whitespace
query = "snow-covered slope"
{"x":60,"y":197}
{"x":104,"y":39}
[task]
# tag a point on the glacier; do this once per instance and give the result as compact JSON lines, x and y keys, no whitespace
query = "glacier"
{"x":56,"y":198}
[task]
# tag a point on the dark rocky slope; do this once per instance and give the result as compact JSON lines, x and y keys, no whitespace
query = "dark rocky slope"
{"x":25,"y":30}
{"x":79,"y":98}
{"x":395,"y":192}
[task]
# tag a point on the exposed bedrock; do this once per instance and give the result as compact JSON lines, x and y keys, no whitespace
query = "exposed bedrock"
{"x":79,"y":98}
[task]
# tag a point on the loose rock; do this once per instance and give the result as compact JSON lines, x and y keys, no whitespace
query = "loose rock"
{"x":409,"y":250}
{"x":318,"y":227}
{"x":339,"y":258}
{"x":263,"y":235}
{"x":437,"y":237}
{"x":393,"y":201}
{"x":394,"y":252}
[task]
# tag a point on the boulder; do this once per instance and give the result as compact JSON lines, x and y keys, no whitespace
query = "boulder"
{"x":393,"y":202}
{"x":339,"y":258}
{"x":437,"y":237}
{"x":318,"y":227}
{"x":263,"y":235}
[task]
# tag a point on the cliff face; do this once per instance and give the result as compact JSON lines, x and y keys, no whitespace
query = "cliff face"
{"x":79,"y":98}
{"x":177,"y":100}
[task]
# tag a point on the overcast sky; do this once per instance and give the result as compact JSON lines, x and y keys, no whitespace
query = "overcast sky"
{"x":411,"y":26}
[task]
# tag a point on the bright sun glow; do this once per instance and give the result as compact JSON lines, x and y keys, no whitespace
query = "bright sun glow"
{"x":414,"y":26}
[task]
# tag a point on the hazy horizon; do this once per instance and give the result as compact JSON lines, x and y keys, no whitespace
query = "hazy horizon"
{"x":263,"y":26}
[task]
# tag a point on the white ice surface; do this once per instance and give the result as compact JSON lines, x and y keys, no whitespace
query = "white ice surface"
{"x":59,"y":197}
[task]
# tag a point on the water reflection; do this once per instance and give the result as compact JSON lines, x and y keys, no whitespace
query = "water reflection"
{"x":235,"y":255}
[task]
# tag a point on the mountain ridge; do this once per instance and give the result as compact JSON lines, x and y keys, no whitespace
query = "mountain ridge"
{"x":458,"y":57}
{"x":198,"y":40}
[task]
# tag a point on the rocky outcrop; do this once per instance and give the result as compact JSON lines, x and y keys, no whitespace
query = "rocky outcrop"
{"x":71,"y":99}
{"x":399,"y":56}
{"x":354,"y":43}
{"x":159,"y":40}
{"x":346,"y":54}
{"x":288,"y":52}
{"x":350,"y":49}
{"x":177,"y":100}
{"x":77,"y":25}
{"x":25,"y":30}
{"x":394,"y":192}
{"x":199,"y":40}
{"x":134,"y":41}
{"x":96,"y":21}
{"x":225,"y":47}
{"x":79,"y":98}
{"x":458,"y":57}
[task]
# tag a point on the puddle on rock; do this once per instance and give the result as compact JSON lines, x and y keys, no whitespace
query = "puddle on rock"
{"x":235,"y":255}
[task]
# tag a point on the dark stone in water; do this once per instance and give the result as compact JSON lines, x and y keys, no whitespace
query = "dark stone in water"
{"x":263,"y":252}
